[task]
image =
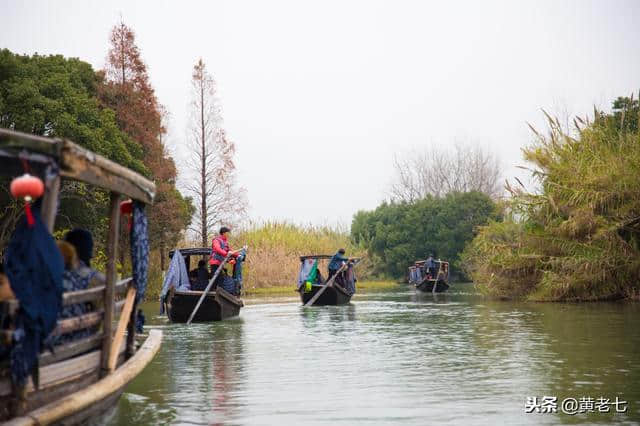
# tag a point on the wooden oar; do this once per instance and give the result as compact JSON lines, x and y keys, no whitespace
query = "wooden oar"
{"x":206,"y":290}
{"x":329,"y":283}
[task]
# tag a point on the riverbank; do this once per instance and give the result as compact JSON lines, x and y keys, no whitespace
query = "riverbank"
{"x":288,"y":289}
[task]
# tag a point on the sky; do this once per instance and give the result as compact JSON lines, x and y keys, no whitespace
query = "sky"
{"x":319,"y":96}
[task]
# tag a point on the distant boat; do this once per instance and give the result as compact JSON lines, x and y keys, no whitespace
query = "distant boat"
{"x":216,"y":306}
{"x":325,"y":292}
{"x":430,"y":280}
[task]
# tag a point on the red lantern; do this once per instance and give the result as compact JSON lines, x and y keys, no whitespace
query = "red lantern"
{"x":28,"y":188}
{"x":126,"y":208}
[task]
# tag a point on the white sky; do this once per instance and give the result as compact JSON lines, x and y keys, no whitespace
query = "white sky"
{"x":319,"y":96}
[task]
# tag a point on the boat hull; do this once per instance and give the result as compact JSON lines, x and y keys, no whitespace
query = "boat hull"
{"x":88,"y":401}
{"x":426,"y":286}
{"x":216,"y":306}
{"x":334,"y":295}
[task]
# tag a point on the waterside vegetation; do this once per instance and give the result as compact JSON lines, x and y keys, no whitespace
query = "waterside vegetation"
{"x":577,"y":238}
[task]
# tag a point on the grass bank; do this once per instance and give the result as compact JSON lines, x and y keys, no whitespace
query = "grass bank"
{"x":288,"y":290}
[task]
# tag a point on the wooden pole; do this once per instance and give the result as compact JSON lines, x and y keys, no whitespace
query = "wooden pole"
{"x":112,"y":253}
{"x":131,"y":331}
{"x":50,"y":202}
{"x":125,"y":318}
{"x":206,"y":290}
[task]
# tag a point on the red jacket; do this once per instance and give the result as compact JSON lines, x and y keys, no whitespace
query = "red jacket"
{"x":219,"y":250}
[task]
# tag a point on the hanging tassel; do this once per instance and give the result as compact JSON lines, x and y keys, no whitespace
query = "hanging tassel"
{"x":27,"y":211}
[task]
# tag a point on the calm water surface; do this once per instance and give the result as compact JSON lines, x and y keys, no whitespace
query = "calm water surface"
{"x":388,"y":358}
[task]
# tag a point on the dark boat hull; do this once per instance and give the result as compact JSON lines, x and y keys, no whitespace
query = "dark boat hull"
{"x":334,"y":295}
{"x":426,"y":286}
{"x":216,"y":306}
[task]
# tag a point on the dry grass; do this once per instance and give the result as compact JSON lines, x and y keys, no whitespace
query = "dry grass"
{"x":275,"y":248}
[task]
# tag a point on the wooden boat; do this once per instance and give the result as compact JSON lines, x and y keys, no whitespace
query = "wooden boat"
{"x":80,"y":378}
{"x":430,"y":281}
{"x":217,"y":305}
{"x":333,"y":294}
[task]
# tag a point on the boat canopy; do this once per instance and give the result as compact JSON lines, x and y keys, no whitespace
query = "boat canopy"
{"x":74,"y":162}
{"x":198,"y":251}
{"x":322,"y":256}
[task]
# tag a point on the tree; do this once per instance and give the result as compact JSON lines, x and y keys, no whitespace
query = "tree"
{"x":438,"y":172}
{"x":55,"y":96}
{"x":125,"y":87}
{"x":217,"y":196}
{"x":397,"y":234}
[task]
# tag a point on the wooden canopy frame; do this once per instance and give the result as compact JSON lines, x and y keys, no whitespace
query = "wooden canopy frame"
{"x":77,"y":163}
{"x":80,"y":164}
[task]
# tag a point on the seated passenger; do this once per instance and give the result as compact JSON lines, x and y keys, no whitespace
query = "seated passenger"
{"x":72,"y":281}
{"x":83,"y":243}
{"x":5,"y":288}
{"x":201,"y":276}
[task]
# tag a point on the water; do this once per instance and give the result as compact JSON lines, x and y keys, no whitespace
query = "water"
{"x":389,"y":358}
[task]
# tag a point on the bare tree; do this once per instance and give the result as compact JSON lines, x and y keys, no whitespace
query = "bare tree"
{"x":217,"y":197}
{"x":438,"y":171}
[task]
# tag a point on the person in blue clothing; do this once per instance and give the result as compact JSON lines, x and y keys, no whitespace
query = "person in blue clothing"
{"x":336,"y":262}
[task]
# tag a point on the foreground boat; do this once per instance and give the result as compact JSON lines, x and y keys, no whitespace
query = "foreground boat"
{"x":217,"y":305}
{"x":75,"y":379}
{"x":319,"y":292}
{"x":430,"y":279}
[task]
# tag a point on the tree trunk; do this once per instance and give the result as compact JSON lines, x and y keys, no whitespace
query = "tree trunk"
{"x":203,"y":182}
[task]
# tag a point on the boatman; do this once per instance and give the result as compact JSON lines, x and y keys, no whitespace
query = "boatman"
{"x":336,"y":263}
{"x":430,"y":264}
{"x":219,"y":250}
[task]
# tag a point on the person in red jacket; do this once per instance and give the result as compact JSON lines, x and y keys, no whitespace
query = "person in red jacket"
{"x":219,"y":250}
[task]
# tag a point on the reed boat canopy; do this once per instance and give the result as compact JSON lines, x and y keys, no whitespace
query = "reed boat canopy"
{"x":74,"y":161}
{"x":196,"y":251}
{"x":322,"y":256}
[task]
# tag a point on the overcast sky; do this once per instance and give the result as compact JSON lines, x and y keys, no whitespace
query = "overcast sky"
{"x":319,"y":96}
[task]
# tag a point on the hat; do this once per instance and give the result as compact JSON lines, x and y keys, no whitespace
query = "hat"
{"x":82,"y":240}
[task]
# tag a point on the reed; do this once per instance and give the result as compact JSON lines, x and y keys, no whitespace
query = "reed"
{"x":578,"y":238}
{"x":275,"y":248}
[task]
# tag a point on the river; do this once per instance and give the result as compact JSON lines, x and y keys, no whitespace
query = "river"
{"x":394,"y":357}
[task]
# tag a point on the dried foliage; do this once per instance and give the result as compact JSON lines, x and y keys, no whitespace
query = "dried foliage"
{"x":126,"y":89}
{"x":578,"y":238}
{"x":437,"y":171}
{"x":275,"y":248}
{"x":218,"y":198}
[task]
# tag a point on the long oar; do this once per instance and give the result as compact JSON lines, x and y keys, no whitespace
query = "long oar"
{"x":324,"y":287}
{"x":206,"y":290}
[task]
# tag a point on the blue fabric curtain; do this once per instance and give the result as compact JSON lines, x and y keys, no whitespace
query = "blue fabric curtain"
{"x":34,"y":267}
{"x":139,"y":249}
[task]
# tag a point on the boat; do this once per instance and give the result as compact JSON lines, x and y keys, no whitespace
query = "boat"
{"x":322,"y":292}
{"x":79,"y":379}
{"x":217,"y":305}
{"x":434,"y":280}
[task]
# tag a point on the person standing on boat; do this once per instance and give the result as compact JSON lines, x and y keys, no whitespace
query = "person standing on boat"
{"x":336,"y":263}
{"x":219,"y":250}
{"x":430,"y":264}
